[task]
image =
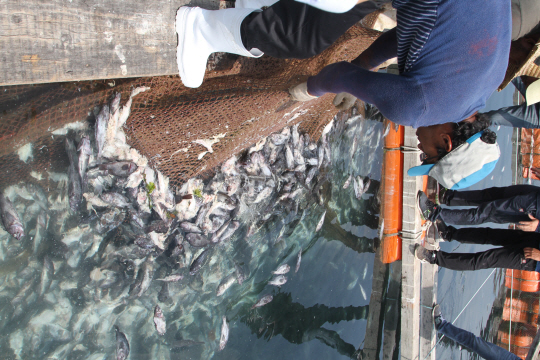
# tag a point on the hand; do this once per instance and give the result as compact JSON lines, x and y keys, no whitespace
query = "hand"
{"x":300,"y":92}
{"x":536,"y":171}
{"x":531,"y":253}
{"x":528,"y":225}
{"x":344,"y":101}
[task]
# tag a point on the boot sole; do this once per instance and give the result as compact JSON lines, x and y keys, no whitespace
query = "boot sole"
{"x":418,"y":206}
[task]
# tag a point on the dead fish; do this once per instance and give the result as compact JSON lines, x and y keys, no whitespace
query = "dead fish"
{"x":240,"y":274}
{"x":46,"y":275}
{"x":198,"y":263}
{"x":197,"y":240}
{"x":41,"y":228}
{"x":172,"y":278}
{"x":122,"y":345}
{"x":224,"y":334}
{"x":102,"y":120}
{"x":120,"y":168}
{"x":163,"y":294}
{"x":263,"y":301}
{"x":10,"y":219}
{"x":311,"y":174}
{"x":298,"y":261}
{"x":278,"y":280}
{"x":190,"y":227}
{"x":367,"y":183}
{"x":295,"y":135}
{"x":85,"y":150}
{"x":358,"y":187}
{"x":231,"y":229}
{"x":289,"y":157}
{"x":115,"y":199}
{"x":144,"y":242}
{"x":283,"y":269}
{"x":225,"y":284}
{"x":265,"y":193}
{"x":74,"y":179}
{"x":347,"y":182}
{"x":159,"y":321}
{"x":144,"y":278}
{"x":321,"y":222}
{"x":320,"y":155}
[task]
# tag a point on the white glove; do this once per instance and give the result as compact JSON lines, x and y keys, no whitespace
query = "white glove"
{"x":299,"y":92}
{"x":344,"y":101}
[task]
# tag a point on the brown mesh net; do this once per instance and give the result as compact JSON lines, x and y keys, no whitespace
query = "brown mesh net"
{"x":245,"y":99}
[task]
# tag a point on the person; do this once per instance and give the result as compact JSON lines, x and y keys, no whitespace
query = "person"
{"x":519,"y":250}
{"x":451,"y":56}
{"x":493,"y":205}
{"x":467,"y":339}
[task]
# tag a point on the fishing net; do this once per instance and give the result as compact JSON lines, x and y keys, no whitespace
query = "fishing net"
{"x":241,"y":101}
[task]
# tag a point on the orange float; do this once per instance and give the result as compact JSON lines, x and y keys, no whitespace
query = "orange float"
{"x":392,"y":205}
{"x":527,"y":281}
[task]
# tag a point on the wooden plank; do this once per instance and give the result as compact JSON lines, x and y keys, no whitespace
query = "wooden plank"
{"x":59,"y":40}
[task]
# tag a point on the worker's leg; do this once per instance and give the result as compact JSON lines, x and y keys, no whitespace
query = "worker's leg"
{"x":477,"y":197}
{"x":289,"y":29}
{"x":467,"y":339}
{"x":488,"y":236}
{"x":509,"y":210}
{"x":504,"y":257}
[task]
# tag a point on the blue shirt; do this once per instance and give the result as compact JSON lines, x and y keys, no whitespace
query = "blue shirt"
{"x":462,"y":62}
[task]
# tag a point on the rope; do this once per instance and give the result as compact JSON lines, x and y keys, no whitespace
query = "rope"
{"x":434,"y":346}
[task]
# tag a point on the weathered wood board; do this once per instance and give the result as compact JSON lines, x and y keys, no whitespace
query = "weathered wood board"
{"x":68,"y":40}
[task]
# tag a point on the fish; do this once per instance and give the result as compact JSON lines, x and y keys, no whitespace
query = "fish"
{"x":23,"y":293}
{"x":229,"y":231}
{"x":311,"y":174}
{"x":289,"y":157}
{"x":321,"y":222}
{"x":278,"y":280}
{"x":224,"y":334}
{"x":358,"y":187}
{"x":120,"y":168}
{"x":225,"y":284}
{"x":320,"y":155}
{"x":347,"y":182}
{"x":163,"y":294}
{"x":198,"y":263}
{"x":295,"y":136}
{"x":74,"y":179}
{"x":46,"y":275}
{"x":85,"y":150}
{"x":102,"y":120}
{"x":115,"y":199}
{"x":190,"y":227}
{"x":263,"y":301}
{"x":122,"y":345}
{"x":159,"y":321}
{"x":298,"y":261}
{"x":10,"y":219}
{"x":363,"y":292}
{"x":240,"y":274}
{"x":197,"y":240}
{"x":172,"y":278}
{"x":283,"y":269}
{"x":41,"y":229}
{"x":265,"y":193}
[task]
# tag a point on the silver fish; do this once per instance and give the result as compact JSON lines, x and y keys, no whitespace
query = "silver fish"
{"x":233,"y":226}
{"x":224,"y":334}
{"x":46,"y":275}
{"x":295,"y":136}
{"x":115,"y":199}
{"x":198,"y":263}
{"x":225,"y":284}
{"x":41,"y":228}
{"x":312,"y":161}
{"x":311,"y":174}
{"x":172,"y":278}
{"x":122,"y":345}
{"x":358,"y":187}
{"x":321,"y":222}
{"x":320,"y":155}
{"x":159,"y":321}
{"x":190,"y":227}
{"x":74,"y":179}
{"x":289,"y":157}
{"x":263,"y":301}
{"x":102,"y":119}
{"x":298,"y":158}
{"x":120,"y":168}
{"x":283,"y":269}
{"x":279,"y":139}
{"x":298,"y":261}
{"x":10,"y":219}
{"x":240,"y":274}
{"x":197,"y":240}
{"x":347,"y":182}
{"x":85,"y":150}
{"x":265,"y":193}
{"x":278,"y":280}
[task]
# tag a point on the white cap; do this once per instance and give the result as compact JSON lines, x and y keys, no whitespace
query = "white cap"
{"x":464,"y":166}
{"x":334,"y":6}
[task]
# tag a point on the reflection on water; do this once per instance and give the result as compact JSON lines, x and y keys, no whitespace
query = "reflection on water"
{"x":74,"y":276}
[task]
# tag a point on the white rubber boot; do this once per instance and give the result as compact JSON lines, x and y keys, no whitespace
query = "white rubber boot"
{"x":253,"y":4}
{"x":202,"y":32}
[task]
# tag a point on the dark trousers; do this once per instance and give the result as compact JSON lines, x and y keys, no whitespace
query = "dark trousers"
{"x":477,"y":197}
{"x":509,"y":256}
{"x":504,"y":210}
{"x":293,"y":30}
{"x":481,"y":347}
